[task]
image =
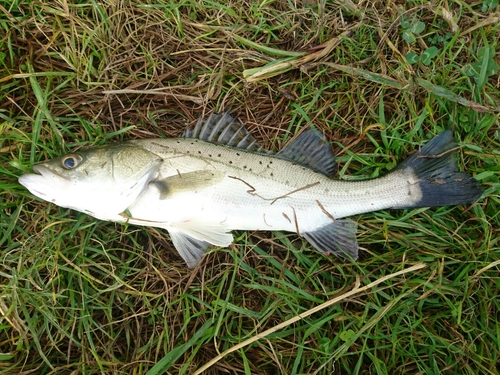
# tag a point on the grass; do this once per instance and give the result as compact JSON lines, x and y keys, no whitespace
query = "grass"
{"x":82,"y":296}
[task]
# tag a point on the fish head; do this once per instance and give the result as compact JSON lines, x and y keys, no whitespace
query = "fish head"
{"x":101,"y":181}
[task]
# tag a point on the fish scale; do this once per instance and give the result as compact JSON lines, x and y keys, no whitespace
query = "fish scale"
{"x":216,"y":178}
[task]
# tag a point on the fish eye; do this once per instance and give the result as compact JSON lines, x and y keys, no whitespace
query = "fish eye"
{"x":71,"y":161}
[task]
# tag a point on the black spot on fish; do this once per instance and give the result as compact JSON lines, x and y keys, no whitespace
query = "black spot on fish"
{"x":230,"y":162}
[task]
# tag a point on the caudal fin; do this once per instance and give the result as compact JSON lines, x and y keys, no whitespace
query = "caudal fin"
{"x":440,"y":181}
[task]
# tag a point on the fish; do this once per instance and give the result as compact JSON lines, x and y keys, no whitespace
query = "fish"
{"x":215,"y":178}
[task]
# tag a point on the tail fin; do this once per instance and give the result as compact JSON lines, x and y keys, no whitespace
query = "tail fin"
{"x":440,"y":181}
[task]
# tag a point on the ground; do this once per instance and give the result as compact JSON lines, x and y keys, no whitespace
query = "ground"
{"x":377,"y":78}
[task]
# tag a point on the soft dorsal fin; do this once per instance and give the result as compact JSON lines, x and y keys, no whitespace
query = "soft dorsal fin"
{"x":222,"y":129}
{"x":310,"y":149}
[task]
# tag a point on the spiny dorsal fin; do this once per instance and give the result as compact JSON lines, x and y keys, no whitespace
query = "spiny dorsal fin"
{"x":310,"y":149}
{"x":222,"y":129}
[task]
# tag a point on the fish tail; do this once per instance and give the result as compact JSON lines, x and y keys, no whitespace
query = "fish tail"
{"x":439,"y":180}
{"x":435,"y":178}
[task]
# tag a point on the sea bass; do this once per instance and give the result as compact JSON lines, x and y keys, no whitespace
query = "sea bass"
{"x":216,"y":178}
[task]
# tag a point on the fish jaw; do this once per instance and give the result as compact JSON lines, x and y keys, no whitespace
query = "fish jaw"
{"x":45,"y":184}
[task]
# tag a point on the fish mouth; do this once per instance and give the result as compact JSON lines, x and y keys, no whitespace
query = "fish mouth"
{"x":43,"y":171}
{"x":44,"y":182}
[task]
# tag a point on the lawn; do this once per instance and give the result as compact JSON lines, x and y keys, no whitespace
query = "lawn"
{"x":379,"y":79}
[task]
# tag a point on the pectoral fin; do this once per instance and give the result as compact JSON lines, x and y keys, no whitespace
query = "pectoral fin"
{"x":338,"y":238}
{"x":187,"y":182}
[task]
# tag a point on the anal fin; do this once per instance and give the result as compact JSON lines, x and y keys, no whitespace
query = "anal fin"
{"x":338,"y":237}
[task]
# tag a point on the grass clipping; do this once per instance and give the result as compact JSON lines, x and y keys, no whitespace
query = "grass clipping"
{"x":356,"y":290}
